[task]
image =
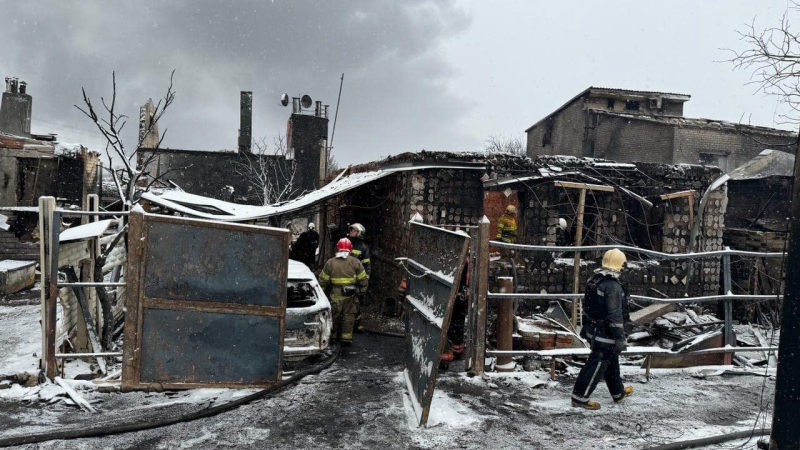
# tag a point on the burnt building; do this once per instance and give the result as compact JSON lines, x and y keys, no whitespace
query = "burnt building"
{"x":627,"y":126}
{"x":250,"y":174}
{"x":16,"y":108}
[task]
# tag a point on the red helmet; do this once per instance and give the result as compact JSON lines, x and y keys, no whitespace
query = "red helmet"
{"x":344,"y":245}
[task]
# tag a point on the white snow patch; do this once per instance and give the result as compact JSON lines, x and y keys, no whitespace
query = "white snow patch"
{"x":20,"y":339}
{"x":65,"y":149}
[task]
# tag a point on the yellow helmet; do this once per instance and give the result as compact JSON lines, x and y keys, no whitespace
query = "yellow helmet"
{"x":511,"y":209}
{"x":614,"y":260}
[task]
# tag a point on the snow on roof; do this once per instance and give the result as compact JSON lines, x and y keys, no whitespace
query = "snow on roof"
{"x":231,"y":212}
{"x":768,"y":163}
{"x":90,"y":230}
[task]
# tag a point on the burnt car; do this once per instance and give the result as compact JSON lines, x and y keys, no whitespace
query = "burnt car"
{"x":308,"y":314}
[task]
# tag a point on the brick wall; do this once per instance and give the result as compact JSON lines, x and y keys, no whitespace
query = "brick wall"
{"x":740,"y":147}
{"x":620,"y":139}
{"x":566,"y":136}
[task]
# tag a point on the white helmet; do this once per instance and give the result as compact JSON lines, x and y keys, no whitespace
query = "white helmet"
{"x":360,"y":230}
{"x":562,"y":223}
{"x":311,"y":225}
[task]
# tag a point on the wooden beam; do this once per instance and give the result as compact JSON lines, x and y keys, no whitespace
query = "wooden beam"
{"x":651,"y":312}
{"x":681,"y":194}
{"x":80,"y":401}
{"x":576,"y":287}
{"x":591,"y":187}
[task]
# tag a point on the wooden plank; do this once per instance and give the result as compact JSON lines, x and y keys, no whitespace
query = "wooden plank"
{"x":133,"y":281}
{"x":46,"y":207}
{"x":652,"y":312}
{"x":80,"y":401}
{"x":591,"y":187}
{"x":680,"y":194}
{"x":576,"y":286}
{"x":482,"y":289}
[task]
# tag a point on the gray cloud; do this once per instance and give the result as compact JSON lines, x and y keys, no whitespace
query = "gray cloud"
{"x":395,"y":94}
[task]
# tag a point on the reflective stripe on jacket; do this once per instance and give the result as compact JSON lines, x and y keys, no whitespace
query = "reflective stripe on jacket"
{"x":341,"y":272}
{"x":361,"y":251}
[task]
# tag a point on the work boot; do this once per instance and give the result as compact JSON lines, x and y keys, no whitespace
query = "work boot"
{"x":590,"y":405}
{"x":625,"y":393}
{"x":447,"y":358}
{"x":458,"y":352}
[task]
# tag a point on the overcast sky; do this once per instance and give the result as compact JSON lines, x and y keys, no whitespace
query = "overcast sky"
{"x":418,"y":74}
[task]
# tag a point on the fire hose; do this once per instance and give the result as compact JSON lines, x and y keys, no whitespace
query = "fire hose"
{"x":711,"y":440}
{"x":188,"y":417}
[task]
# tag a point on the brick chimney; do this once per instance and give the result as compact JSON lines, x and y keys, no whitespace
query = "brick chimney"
{"x":246,"y":122}
{"x":15,"y":109}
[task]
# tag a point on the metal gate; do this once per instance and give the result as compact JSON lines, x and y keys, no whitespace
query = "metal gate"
{"x":435,"y":262}
{"x":206,"y":303}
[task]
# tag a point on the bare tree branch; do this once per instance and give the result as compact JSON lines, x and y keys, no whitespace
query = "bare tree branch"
{"x":271,"y":173}
{"x":772,"y":56}
{"x":111,"y":129}
{"x":501,"y":144}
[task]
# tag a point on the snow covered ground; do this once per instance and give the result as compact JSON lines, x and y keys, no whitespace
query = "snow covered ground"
{"x":20,"y":339}
{"x":361,"y":402}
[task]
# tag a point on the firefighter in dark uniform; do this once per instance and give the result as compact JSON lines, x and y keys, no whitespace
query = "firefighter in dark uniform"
{"x":605,"y":309}
{"x":360,"y":251}
{"x":346,"y":278}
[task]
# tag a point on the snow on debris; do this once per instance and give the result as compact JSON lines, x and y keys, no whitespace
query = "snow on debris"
{"x":64,"y":149}
{"x":232,"y":212}
{"x":20,"y":339}
{"x":87,"y":231}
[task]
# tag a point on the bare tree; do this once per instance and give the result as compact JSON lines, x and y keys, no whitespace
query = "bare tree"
{"x":502,"y":144}
{"x":331,"y":165}
{"x":772,"y":55}
{"x":270,"y":172}
{"x":111,"y":123}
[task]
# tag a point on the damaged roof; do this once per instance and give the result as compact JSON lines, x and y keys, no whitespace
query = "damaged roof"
{"x":698,"y":122}
{"x":209,"y":208}
{"x":768,"y":163}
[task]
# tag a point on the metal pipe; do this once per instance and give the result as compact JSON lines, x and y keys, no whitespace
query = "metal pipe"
{"x":89,"y":284}
{"x":655,"y":351}
{"x":707,"y":298}
{"x":505,"y":327}
{"x":67,"y":212}
{"x":583,"y":248}
{"x":88,"y":355}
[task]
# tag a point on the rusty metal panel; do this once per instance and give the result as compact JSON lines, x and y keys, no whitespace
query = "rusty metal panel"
{"x":206,"y":304}
{"x":435,"y":261}
{"x":188,"y":262}
{"x":174,"y":341}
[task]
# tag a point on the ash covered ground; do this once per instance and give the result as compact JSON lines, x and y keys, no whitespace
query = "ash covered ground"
{"x":360,"y":402}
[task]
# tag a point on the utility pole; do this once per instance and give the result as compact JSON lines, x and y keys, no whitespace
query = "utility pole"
{"x":786,"y":415}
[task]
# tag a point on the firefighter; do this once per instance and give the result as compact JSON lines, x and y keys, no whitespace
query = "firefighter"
{"x":356,"y":234}
{"x":507,"y":225}
{"x":605,"y":309}
{"x":360,"y":249}
{"x":345,"y":276}
{"x":307,"y":245}
{"x":455,"y":333}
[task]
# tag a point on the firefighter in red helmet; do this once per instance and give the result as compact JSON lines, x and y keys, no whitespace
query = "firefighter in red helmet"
{"x":344,"y":278}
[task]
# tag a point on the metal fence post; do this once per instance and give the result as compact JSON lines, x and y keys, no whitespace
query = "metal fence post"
{"x":730,"y":337}
{"x":505,"y":326}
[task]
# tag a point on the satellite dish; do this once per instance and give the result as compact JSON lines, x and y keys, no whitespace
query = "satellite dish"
{"x":306,"y":101}
{"x":284,"y":99}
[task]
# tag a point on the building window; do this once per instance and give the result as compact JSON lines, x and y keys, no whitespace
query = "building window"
{"x":547,"y":137}
{"x":610,"y":104}
{"x":632,"y":105}
{"x":715,"y":159}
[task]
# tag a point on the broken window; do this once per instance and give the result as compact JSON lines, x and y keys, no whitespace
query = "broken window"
{"x":632,"y":105}
{"x":300,"y":294}
{"x":547,"y":137}
{"x":715,"y":159}
{"x":610,"y":104}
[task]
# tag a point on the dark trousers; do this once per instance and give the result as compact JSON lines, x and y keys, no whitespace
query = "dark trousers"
{"x":603,"y":363}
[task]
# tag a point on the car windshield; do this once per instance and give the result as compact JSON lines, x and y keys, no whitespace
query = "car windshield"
{"x":300,"y":294}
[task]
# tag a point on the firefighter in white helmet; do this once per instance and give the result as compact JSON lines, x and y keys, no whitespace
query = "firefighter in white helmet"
{"x":605,"y":309}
